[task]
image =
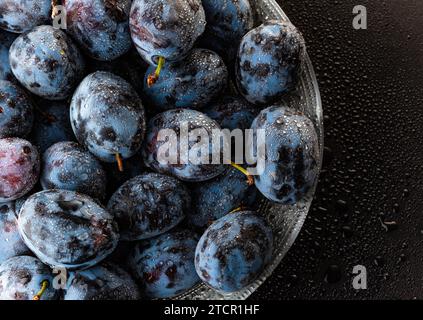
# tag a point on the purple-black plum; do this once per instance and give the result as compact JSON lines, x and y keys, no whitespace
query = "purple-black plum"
{"x":269,"y":61}
{"x":16,"y":111}
{"x":192,"y":168}
{"x":22,"y":278}
{"x":19,"y":168}
{"x":107,"y":116}
{"x":22,"y":15}
{"x":149,"y":205}
{"x":106,"y":281}
{"x":47,"y":62}
{"x":292,"y":154}
{"x":100,"y":27}
{"x":233,"y":251}
{"x":164,"y":266}
{"x":166,"y":28}
{"x":68,"y":166}
{"x":66,"y":229}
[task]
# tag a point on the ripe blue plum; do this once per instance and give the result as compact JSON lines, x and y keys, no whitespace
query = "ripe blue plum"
{"x":100,"y":27}
{"x":16,"y":111}
{"x":130,"y":67}
{"x":164,"y":266}
{"x":6,"y":40}
{"x":106,"y":281}
{"x":19,"y":168}
{"x":166,"y":28}
{"x":190,"y":83}
{"x":269,"y":61}
{"x":21,"y":278}
{"x":132,"y":168}
{"x":68,"y":166}
{"x":11,"y":244}
{"x":292,"y":154}
{"x":149,"y":205}
{"x":233,"y":112}
{"x":47,"y":62}
{"x":108,"y":117}
{"x":215,"y":198}
{"x":21,"y":15}
{"x":190,"y":169}
{"x":66,"y":229}
{"x":52,"y":124}
{"x":233,"y":251}
{"x":227,"y":22}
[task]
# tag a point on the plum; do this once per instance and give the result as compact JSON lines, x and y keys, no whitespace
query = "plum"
{"x":292,"y":154}
{"x":233,"y":251}
{"x":164,"y":266}
{"x":233,"y":112}
{"x":192,"y":168}
{"x":213,"y":199}
{"x":100,"y":27}
{"x":19,"y":16}
{"x":106,"y":281}
{"x":47,"y":62}
{"x":51,"y":124}
{"x":23,"y":278}
{"x":166,"y":28}
{"x":11,"y":244}
{"x":108,"y":117}
{"x":16,"y":111}
{"x":68,"y":166}
{"x":19,"y":168}
{"x":149,"y":205}
{"x":6,"y":40}
{"x":227,"y":22}
{"x":66,"y":229}
{"x":190,"y":83}
{"x":269,"y":61}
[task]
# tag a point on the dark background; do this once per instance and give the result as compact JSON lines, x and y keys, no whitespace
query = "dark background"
{"x":369,"y":206}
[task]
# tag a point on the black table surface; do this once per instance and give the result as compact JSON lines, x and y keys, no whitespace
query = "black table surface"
{"x":368,"y":209}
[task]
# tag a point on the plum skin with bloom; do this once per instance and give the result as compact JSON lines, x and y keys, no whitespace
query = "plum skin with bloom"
{"x":106,"y":281}
{"x":100,"y":27}
{"x":52,"y":125}
{"x":233,"y":112}
{"x":19,"y":168}
{"x":216,"y":198}
{"x":68,"y":166}
{"x":66,"y":229}
{"x":184,"y":170}
{"x":164,"y":265}
{"x":21,"y":278}
{"x":6,"y":40}
{"x":227,"y":22}
{"x":165,"y":28}
{"x":269,"y":61}
{"x":233,"y":251}
{"x":107,"y":116}
{"x":190,"y":83}
{"x":16,"y":111}
{"x":11,"y":244}
{"x":19,"y":16}
{"x":47,"y":62}
{"x":292,"y":154}
{"x":149,"y":205}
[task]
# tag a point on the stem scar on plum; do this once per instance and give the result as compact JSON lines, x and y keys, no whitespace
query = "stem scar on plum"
{"x":152,"y":78}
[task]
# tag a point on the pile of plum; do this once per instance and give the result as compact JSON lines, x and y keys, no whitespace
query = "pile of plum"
{"x":81,"y":185}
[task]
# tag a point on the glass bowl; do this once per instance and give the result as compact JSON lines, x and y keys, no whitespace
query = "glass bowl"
{"x":286,"y":221}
